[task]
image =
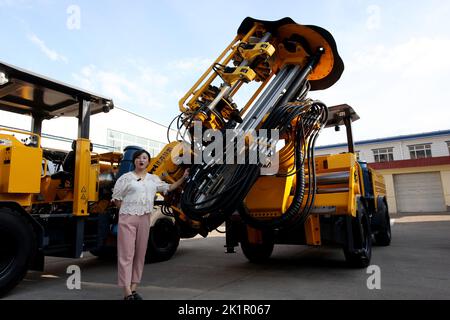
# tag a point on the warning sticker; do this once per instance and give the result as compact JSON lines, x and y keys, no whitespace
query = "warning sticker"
{"x":5,"y":142}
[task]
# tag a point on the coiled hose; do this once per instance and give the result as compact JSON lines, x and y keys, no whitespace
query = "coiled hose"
{"x":306,"y":132}
{"x":228,"y":185}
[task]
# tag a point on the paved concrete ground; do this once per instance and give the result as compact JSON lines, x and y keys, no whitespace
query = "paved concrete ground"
{"x":415,"y":266}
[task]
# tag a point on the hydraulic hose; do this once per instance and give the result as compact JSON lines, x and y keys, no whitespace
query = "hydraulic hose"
{"x":296,"y":214}
{"x":237,"y":180}
{"x":214,"y":191}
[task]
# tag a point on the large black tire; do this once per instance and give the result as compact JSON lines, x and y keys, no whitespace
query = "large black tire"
{"x":361,"y":255}
{"x":17,"y":248}
{"x":257,"y":253}
{"x":383,"y":235}
{"x":163,"y":240}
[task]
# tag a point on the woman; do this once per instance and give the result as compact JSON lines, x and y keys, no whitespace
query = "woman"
{"x":134,"y":193}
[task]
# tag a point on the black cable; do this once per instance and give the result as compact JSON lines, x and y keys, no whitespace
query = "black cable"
{"x":293,"y":215}
{"x":221,"y":204}
{"x":213,"y":192}
{"x":312,"y":176}
{"x":170,"y":125}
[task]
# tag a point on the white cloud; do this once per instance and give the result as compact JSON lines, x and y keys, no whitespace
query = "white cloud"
{"x":136,"y":87}
{"x":399,"y":89}
{"x":10,"y":3}
{"x":416,"y":57}
{"x":374,"y":20}
{"x":191,"y":64}
{"x":50,"y":53}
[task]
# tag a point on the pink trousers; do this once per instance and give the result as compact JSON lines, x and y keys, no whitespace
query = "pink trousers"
{"x":132,"y":241}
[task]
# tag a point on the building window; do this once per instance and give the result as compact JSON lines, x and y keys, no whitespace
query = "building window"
{"x":420,"y":151}
{"x":119,"y":141}
{"x":448,"y":146}
{"x":383,"y":155}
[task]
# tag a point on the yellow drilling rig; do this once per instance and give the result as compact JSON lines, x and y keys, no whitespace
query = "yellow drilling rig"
{"x":266,"y":186}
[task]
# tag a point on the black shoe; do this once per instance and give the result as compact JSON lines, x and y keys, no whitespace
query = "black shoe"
{"x":136,"y":296}
{"x":130,"y":297}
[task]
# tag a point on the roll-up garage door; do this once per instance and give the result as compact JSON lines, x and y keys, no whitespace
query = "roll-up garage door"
{"x":419,"y":192}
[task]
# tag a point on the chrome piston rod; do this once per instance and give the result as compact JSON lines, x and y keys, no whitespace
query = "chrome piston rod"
{"x":270,"y":97}
{"x":265,"y":104}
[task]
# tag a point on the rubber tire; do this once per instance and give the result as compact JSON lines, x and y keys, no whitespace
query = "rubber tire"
{"x":17,"y":231}
{"x":257,"y":253}
{"x":163,"y":241}
{"x":383,"y":236}
{"x":360,"y":258}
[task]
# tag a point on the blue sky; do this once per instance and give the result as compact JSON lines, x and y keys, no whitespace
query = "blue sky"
{"x":146,"y":54}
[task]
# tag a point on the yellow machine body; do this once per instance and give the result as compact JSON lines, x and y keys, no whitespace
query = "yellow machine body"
{"x":82,"y":183}
{"x":163,"y":166}
{"x":24,"y":178}
{"x":266,"y":58}
{"x":252,"y":56}
{"x":70,"y":209}
{"x":20,"y":166}
{"x":270,"y":196}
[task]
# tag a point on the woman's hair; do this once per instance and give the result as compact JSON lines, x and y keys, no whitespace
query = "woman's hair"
{"x":139,"y":152}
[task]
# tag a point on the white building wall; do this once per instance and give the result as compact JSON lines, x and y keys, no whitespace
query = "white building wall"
{"x":65,"y":130}
{"x":439,"y":148}
{"x":367,"y":150}
{"x":9,"y":119}
{"x":124,"y":121}
{"x":438,"y":145}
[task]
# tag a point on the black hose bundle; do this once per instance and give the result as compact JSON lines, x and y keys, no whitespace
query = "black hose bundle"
{"x":236,"y":182}
{"x":215,"y":191}
{"x":310,"y":121}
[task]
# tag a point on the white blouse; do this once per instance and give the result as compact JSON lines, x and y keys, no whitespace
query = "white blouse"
{"x":138,"y":194}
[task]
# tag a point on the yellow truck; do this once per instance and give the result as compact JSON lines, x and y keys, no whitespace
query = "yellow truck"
{"x":67,"y":212}
{"x":288,"y":195}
